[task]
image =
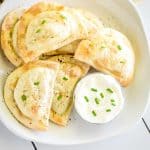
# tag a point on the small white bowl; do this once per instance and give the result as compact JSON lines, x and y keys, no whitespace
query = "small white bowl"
{"x":136,"y":95}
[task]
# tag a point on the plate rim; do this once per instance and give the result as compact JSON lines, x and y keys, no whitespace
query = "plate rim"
{"x":136,"y":11}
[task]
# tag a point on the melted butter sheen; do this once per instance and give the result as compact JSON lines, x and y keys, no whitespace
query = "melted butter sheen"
{"x":98,"y":98}
{"x":33,"y":92}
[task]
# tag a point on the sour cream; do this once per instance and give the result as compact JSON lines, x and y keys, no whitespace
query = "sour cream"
{"x":98,"y":98}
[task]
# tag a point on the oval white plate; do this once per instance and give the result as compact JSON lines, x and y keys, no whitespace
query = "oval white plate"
{"x":122,"y":15}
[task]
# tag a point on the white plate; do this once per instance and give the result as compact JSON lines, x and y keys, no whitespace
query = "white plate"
{"x":122,"y":15}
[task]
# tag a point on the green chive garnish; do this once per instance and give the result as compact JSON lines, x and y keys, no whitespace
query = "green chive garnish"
{"x":38,"y":30}
{"x":108,"y":110}
{"x":93,"y":89}
{"x":91,"y":45}
{"x":43,"y":22}
{"x":59,"y":97}
{"x":36,"y":83}
{"x":119,"y":47}
{"x":112,"y":100}
{"x":113,"y":104}
{"x":63,"y":17}
{"x":24,"y":97}
{"x":102,"y":95}
{"x":102,"y":47}
{"x":86,"y":98}
{"x":109,"y":90}
{"x":65,"y":78}
{"x":94,"y":113}
{"x":122,"y":62}
{"x":97,"y":100}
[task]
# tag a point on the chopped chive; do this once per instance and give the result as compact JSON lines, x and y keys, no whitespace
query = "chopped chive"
{"x":43,"y":22}
{"x":102,"y":95}
{"x":91,"y":45}
{"x":36,"y":83}
{"x":112,"y":100}
{"x":108,"y":110}
{"x":38,"y":30}
{"x":63,"y":17}
{"x":86,"y":98}
{"x":24,"y":97}
{"x":122,"y":62}
{"x":113,"y":104}
{"x":59,"y":97}
{"x":94,"y":113}
{"x":109,"y":90}
{"x":65,"y":78}
{"x":119,"y":47}
{"x":97,"y":100}
{"x":93,"y":89}
{"x":102,"y":47}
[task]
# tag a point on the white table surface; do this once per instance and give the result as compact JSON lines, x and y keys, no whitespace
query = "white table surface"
{"x":138,"y":138}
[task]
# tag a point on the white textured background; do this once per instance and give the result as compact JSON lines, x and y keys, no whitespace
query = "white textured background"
{"x":137,"y":138}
